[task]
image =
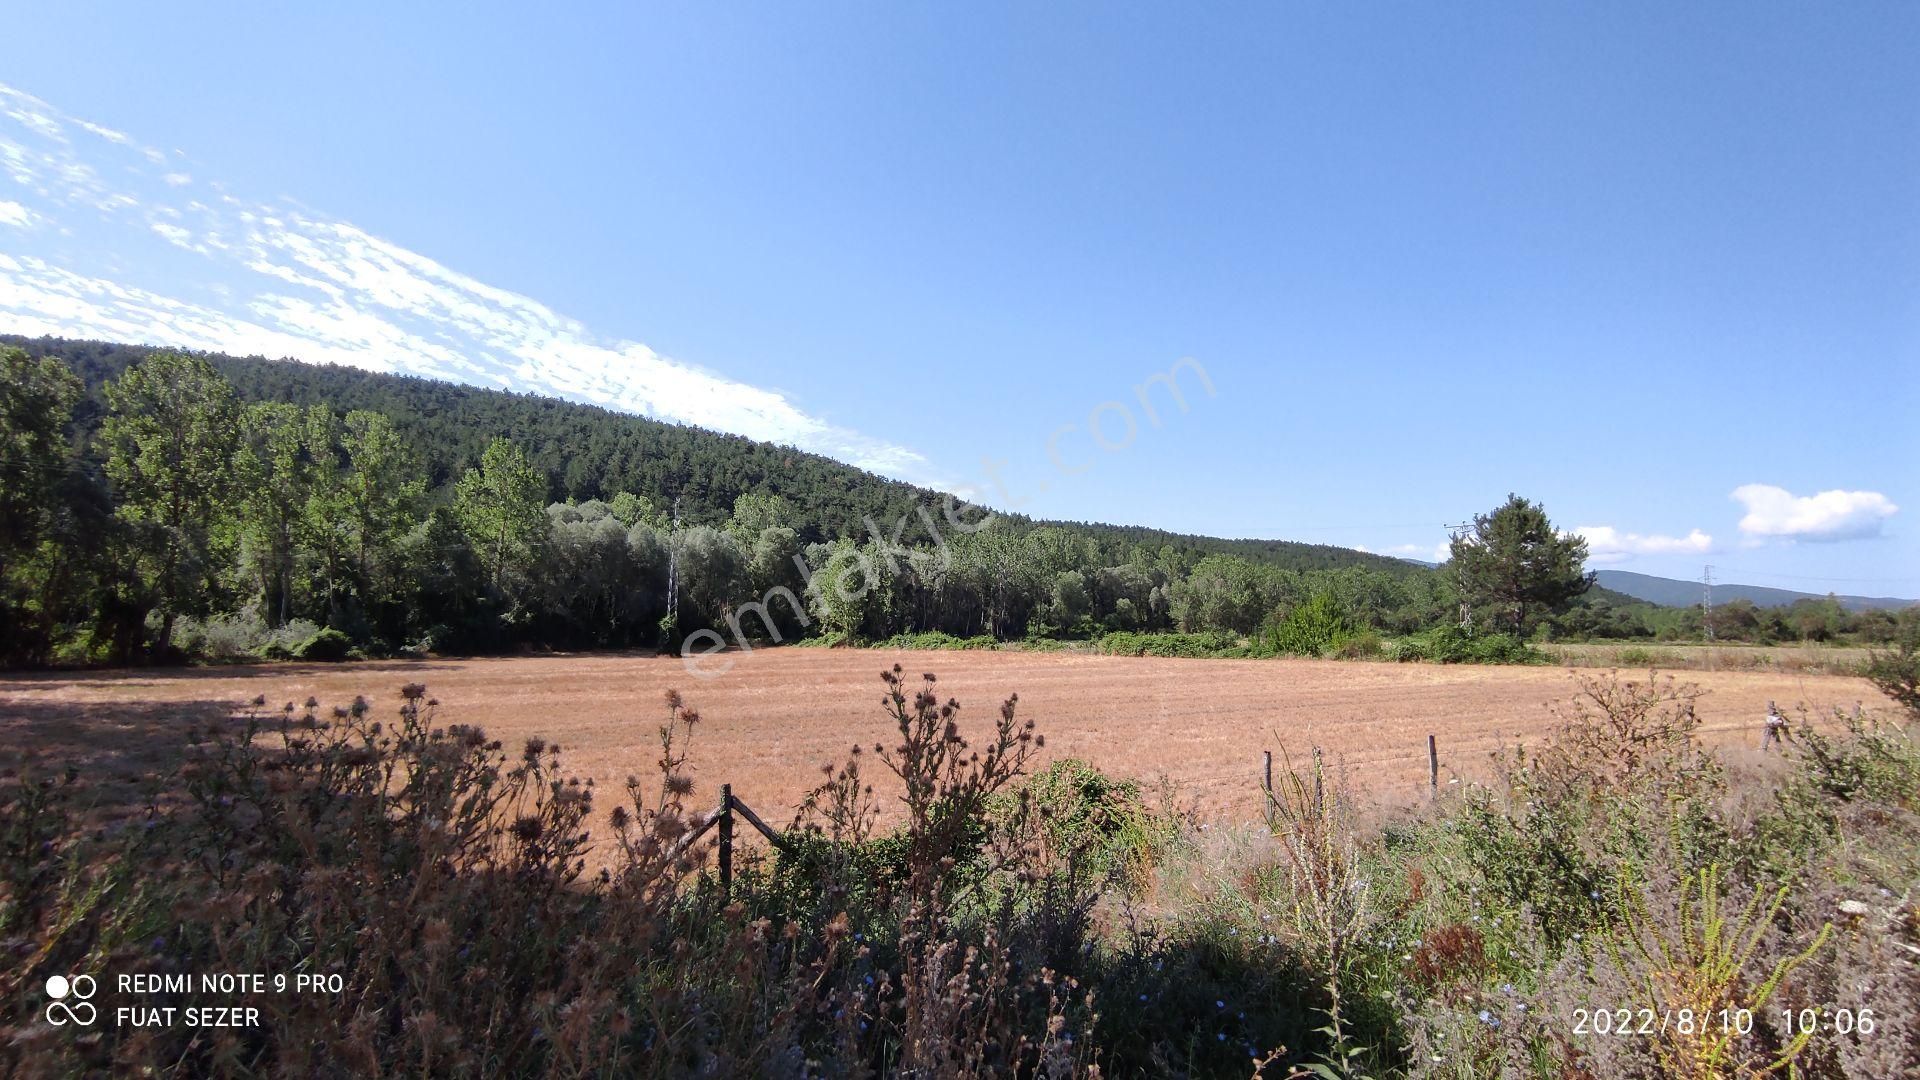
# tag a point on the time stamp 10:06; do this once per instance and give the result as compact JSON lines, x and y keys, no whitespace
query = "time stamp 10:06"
{"x":1686,"y":1022}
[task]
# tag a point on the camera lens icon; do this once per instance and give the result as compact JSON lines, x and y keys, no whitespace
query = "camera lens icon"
{"x":79,"y":1010}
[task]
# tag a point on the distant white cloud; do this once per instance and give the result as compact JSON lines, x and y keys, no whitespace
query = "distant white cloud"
{"x":1776,"y":513}
{"x":276,"y":279}
{"x":1437,"y":553}
{"x":1606,"y":544}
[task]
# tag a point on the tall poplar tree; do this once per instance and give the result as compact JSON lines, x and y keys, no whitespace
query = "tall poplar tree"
{"x":171,"y":435}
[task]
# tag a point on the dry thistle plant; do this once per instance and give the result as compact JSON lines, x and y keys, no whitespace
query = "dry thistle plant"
{"x":1331,"y":907}
{"x":1623,"y":733}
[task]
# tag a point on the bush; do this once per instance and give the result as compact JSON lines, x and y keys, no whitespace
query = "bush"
{"x":1452,"y":645}
{"x":1316,"y":628}
{"x":1091,"y":821}
{"x":1206,"y":643}
{"x":1896,"y":671}
{"x":326,"y":644}
{"x":1364,"y":645}
{"x":938,"y":640}
{"x":241,"y":637}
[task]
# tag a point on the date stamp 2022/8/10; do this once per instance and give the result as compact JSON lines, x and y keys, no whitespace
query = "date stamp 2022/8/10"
{"x":1686,"y":1022}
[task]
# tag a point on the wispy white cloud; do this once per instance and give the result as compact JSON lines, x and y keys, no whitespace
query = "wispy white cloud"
{"x":1436,"y":553}
{"x":238,"y":276}
{"x":1776,"y":513}
{"x":1606,"y":544}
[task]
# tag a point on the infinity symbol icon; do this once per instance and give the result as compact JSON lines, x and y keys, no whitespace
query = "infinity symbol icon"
{"x":81,"y":1011}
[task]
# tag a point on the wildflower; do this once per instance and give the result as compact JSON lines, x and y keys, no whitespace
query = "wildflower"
{"x":1489,"y":1019}
{"x":413,"y":691}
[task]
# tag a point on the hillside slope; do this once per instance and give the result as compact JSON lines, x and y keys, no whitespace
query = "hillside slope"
{"x":590,"y":452}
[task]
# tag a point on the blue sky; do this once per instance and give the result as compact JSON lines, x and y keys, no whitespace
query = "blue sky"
{"x":1657,"y":267}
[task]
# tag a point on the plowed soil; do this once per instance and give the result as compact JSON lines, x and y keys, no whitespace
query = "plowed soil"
{"x":777,"y":715}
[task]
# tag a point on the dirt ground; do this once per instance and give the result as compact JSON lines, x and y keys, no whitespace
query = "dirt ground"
{"x":772,"y":720}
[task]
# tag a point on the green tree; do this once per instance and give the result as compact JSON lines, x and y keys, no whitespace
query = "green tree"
{"x":171,"y":436}
{"x":1513,"y":565}
{"x":326,"y":522}
{"x":849,"y":589}
{"x":500,"y":508}
{"x":274,"y":481}
{"x":633,"y":510}
{"x":36,"y":402}
{"x":380,"y":498}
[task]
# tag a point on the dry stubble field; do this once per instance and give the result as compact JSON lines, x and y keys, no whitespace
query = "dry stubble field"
{"x":771,"y":721}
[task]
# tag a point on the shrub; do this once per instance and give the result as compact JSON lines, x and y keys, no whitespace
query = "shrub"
{"x":1451,"y":645}
{"x":1091,"y":822}
{"x":327,"y":644}
{"x":1364,"y":645}
{"x":938,"y":640}
{"x":1315,"y":628}
{"x":1206,"y":643}
{"x":1896,"y":671}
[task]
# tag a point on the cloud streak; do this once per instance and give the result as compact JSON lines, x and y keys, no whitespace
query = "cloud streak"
{"x":1606,"y":544}
{"x":158,"y":256}
{"x":1774,"y":513}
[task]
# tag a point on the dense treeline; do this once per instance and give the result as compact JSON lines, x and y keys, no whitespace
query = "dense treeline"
{"x":585,"y":452}
{"x":164,"y":505}
{"x":206,"y":504}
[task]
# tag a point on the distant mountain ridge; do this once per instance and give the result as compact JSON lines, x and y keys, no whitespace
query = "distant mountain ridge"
{"x":1673,"y":592}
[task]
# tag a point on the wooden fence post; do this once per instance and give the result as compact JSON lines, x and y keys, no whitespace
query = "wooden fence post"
{"x":1319,"y":792}
{"x":726,"y":840}
{"x":1269,"y":778}
{"x":1433,"y":767}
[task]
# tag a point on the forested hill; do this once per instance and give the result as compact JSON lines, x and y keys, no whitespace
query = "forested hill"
{"x":588,"y":452}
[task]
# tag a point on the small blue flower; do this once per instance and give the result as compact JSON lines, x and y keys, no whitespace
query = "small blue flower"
{"x":1222,"y":1036}
{"x":1219,"y":1004}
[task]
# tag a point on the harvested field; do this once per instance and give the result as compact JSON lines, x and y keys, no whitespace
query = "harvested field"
{"x":771,"y":721}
